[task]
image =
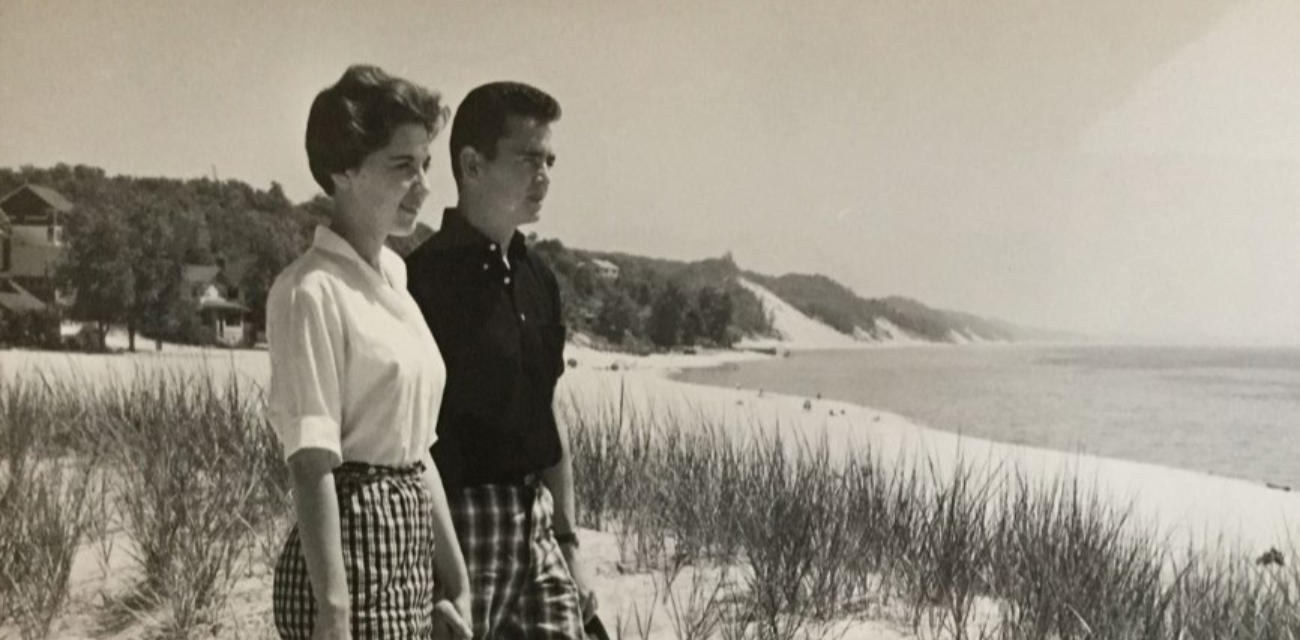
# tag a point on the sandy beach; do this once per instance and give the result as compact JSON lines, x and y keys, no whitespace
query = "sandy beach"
{"x":1185,"y":507}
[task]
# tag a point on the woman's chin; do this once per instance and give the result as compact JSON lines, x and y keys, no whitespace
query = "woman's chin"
{"x":404,"y":227}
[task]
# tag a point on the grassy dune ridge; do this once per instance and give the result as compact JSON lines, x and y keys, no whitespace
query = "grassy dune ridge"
{"x":744,"y":529}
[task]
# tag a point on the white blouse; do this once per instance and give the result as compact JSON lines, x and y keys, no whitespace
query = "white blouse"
{"x":354,"y":368}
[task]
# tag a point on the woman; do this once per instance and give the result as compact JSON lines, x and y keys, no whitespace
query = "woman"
{"x":356,"y":384}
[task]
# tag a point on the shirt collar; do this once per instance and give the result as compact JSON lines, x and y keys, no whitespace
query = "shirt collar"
{"x":457,"y":232}
{"x":330,"y":242}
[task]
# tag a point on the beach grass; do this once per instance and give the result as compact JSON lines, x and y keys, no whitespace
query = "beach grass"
{"x":764,"y":536}
{"x":964,"y":552}
{"x":183,"y":468}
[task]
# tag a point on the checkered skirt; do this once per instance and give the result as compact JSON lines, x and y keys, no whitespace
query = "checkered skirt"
{"x":387,"y":537}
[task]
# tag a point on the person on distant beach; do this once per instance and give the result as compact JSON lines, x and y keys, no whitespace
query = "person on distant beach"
{"x":356,"y":384}
{"x":494,"y":308}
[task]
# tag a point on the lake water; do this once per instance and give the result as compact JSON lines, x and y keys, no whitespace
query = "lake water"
{"x":1230,"y":412}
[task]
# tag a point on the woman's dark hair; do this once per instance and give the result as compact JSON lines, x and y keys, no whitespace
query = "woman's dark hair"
{"x":358,"y":115}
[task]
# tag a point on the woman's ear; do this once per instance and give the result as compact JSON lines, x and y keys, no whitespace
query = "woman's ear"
{"x":342,"y":180}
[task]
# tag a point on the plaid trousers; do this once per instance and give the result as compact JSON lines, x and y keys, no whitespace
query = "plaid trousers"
{"x":522,"y":589}
{"x":387,"y":537}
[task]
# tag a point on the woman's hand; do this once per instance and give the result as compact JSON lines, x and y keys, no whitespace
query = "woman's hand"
{"x":331,"y":624}
{"x":450,"y":619}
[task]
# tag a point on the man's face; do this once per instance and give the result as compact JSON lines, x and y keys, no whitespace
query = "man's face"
{"x":389,"y":187}
{"x":515,"y":182}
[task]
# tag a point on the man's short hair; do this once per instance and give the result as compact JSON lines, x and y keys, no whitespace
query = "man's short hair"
{"x":481,"y":118}
{"x":358,"y":115}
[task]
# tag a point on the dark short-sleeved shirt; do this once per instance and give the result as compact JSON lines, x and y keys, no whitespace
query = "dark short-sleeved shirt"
{"x":501,"y":333}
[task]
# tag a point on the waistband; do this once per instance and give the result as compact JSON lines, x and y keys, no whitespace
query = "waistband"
{"x":364,"y":472}
{"x":524,"y":480}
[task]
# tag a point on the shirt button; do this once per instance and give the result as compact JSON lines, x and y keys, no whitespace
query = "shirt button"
{"x":522,"y":317}
{"x":507,"y":279}
{"x":486,"y":266}
{"x":492,"y":247}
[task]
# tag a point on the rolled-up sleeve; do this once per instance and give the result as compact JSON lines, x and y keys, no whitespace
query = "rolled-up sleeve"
{"x":306,"y":340}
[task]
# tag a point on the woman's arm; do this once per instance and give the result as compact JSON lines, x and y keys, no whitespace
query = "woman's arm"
{"x":449,"y":563}
{"x":316,"y":504}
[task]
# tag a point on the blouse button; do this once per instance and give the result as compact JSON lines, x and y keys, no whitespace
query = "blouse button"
{"x":492,"y":247}
{"x":522,"y":317}
{"x":507,"y":279}
{"x":486,"y":267}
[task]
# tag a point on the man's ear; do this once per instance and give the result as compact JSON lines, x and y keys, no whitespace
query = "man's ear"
{"x":471,"y":163}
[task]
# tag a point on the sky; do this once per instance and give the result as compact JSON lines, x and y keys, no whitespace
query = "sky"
{"x":1129,"y":170}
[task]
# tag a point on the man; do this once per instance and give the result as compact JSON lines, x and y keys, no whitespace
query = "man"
{"x":494,"y":310}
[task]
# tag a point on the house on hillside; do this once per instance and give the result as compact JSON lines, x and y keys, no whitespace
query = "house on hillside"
{"x":15,"y":300}
{"x":605,"y":269}
{"x":33,"y":245}
{"x":219,"y":301}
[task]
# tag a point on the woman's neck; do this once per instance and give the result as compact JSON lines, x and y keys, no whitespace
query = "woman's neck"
{"x":365,"y":242}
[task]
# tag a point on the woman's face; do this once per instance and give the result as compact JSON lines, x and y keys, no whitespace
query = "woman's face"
{"x":389,"y":187}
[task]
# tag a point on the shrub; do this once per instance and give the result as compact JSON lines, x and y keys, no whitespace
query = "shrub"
{"x":32,"y":329}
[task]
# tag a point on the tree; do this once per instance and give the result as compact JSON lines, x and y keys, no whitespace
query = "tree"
{"x":692,"y":327}
{"x":158,"y":266}
{"x":617,"y":317}
{"x":665,"y":324}
{"x":279,"y":238}
{"x":98,"y":267}
{"x":715,"y":309}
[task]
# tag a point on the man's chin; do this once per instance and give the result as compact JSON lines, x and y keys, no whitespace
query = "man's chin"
{"x":532,"y":213}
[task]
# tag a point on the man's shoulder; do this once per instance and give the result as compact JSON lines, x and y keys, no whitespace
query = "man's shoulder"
{"x":542,"y":268}
{"x":434,"y":257}
{"x":429,"y":250}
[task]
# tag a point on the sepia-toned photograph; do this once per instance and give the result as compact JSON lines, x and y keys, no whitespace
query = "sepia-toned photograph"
{"x":616,"y":320}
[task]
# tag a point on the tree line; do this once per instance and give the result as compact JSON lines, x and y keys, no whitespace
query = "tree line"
{"x":129,"y":239}
{"x":654,"y":304}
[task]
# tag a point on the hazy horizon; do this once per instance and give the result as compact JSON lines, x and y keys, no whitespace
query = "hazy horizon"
{"x":1128,"y":172}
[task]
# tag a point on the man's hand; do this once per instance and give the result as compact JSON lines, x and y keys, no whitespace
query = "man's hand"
{"x":450,"y":619}
{"x":586,"y":596}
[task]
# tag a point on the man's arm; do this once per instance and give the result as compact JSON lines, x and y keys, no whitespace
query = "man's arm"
{"x":559,"y":480}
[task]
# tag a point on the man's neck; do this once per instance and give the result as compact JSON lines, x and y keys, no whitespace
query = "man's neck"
{"x":486,"y":224}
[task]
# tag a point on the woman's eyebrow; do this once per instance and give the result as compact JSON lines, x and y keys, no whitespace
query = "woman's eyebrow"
{"x":404,"y":157}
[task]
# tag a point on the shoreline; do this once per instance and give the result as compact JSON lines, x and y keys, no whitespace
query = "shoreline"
{"x":676,"y":374}
{"x":1184,"y":507}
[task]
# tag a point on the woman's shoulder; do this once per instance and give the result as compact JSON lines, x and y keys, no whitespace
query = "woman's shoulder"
{"x":313,"y":273}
